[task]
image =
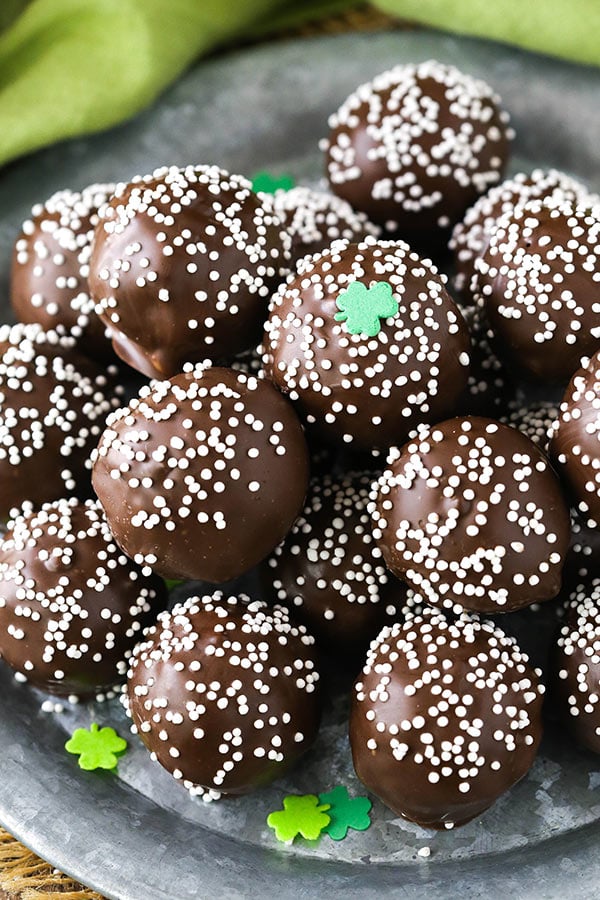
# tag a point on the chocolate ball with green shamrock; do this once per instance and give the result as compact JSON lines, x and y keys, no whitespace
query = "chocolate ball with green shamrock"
{"x":367,"y":343}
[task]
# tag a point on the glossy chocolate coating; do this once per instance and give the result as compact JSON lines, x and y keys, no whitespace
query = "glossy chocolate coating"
{"x":183,"y":264}
{"x":575,"y":444}
{"x":53,"y":406}
{"x":329,"y":572}
{"x":367,"y":391}
{"x":201,"y":476}
{"x":50,"y":267}
{"x":416,"y":146}
{"x":314,"y":219}
{"x":445,"y":718}
{"x":470,"y":237}
{"x":537,"y":280}
{"x":72,"y":605}
{"x":576,"y":667}
{"x":224,"y":693}
{"x":471,"y":510}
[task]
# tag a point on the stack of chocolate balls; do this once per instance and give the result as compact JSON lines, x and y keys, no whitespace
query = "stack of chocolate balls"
{"x":287,"y":344}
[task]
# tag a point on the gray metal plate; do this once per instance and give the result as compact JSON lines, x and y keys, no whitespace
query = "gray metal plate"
{"x":136,"y":835}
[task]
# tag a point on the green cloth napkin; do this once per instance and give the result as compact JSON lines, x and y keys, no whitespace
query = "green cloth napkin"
{"x":70,"y":67}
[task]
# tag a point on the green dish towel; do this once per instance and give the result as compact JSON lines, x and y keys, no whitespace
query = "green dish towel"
{"x":70,"y":67}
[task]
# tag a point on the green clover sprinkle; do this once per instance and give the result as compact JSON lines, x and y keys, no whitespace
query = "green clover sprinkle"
{"x":300,"y":815}
{"x":265,"y":183}
{"x":345,"y":812}
{"x":362,"y":308}
{"x":99,"y":748}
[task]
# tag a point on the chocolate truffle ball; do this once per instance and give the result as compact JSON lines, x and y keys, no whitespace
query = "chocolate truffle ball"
{"x":53,"y":406}
{"x":367,"y":343}
{"x":224,"y":693}
{"x":182,"y":266}
{"x":416,"y":146}
{"x":50,"y":267}
{"x":577,"y":668}
{"x":314,"y":219}
{"x":329,"y":572}
{"x":203,"y":475}
{"x":470,"y":237}
{"x":538,"y":280}
{"x":575,"y":444}
{"x":470,"y":509}
{"x":72,"y":605}
{"x":446,"y":717}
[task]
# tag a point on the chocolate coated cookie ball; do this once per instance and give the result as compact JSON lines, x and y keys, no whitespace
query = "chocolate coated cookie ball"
{"x":471,"y":510}
{"x":201,"y":476}
{"x":315,"y":219}
{"x":538,"y":279}
{"x":367,"y":343}
{"x":72,"y":605}
{"x":183,"y":264}
{"x":53,"y":406}
{"x":329,"y":572}
{"x":446,"y":717}
{"x":50,"y":267}
{"x":223,"y":692}
{"x":416,"y":146}
{"x":470,"y":237}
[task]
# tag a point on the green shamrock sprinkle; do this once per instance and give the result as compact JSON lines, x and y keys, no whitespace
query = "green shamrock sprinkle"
{"x":345,"y":812}
{"x":362,"y":308}
{"x":266,"y":183}
{"x":98,"y":748}
{"x":300,"y":815}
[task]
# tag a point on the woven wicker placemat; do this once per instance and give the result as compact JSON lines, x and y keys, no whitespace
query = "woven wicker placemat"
{"x":23,"y":875}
